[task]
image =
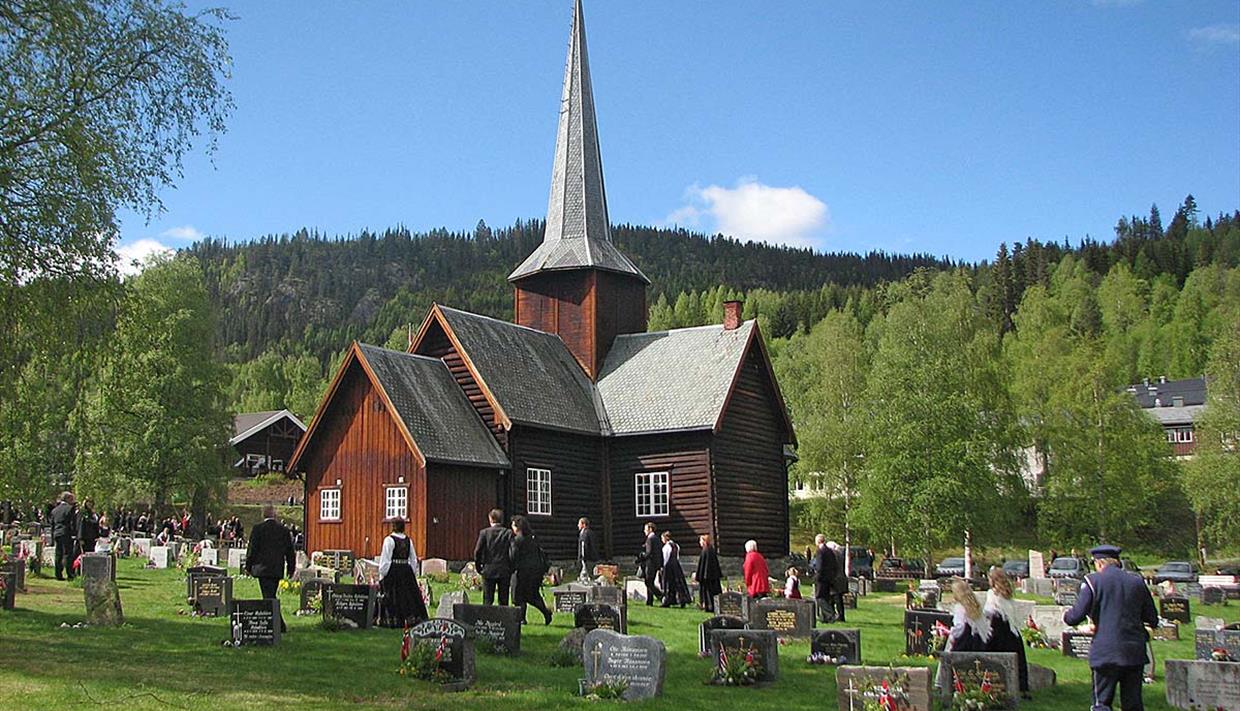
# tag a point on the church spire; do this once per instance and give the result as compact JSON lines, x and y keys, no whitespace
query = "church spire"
{"x":578,"y":233}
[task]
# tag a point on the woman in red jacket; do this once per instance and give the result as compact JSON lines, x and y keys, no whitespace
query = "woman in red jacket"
{"x":757,"y":575}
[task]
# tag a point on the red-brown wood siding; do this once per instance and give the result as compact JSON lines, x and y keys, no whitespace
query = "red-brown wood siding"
{"x":458,"y":501}
{"x":436,"y":344}
{"x":359,"y":444}
{"x":576,"y":489}
{"x":751,"y":478}
{"x":686,"y":459}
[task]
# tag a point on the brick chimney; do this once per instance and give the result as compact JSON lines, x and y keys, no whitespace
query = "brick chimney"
{"x":732,"y":315}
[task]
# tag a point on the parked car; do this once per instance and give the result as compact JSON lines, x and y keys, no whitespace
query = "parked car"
{"x":949,"y":567}
{"x":1129,"y":567}
{"x":1177,"y":571}
{"x":1016,"y":569}
{"x":1067,"y":567}
{"x":861,"y":561}
{"x":901,"y":567}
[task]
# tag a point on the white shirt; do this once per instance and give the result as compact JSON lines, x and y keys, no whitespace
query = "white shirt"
{"x":385,"y":557}
{"x":667,"y":552}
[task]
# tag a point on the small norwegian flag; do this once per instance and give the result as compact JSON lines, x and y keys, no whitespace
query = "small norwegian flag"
{"x":404,"y":645}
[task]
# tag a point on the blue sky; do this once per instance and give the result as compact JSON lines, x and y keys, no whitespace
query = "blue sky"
{"x":932,"y":127}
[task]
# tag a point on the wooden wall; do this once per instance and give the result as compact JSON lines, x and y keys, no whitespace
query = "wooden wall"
{"x":686,"y":459}
{"x":360,"y":444}
{"x":621,"y":308}
{"x":436,"y":344}
{"x":751,"y":478}
{"x":275,"y":441}
{"x":576,"y":484}
{"x":457,"y":503}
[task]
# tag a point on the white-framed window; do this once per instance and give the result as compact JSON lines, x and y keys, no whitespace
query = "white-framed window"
{"x":652,"y":494}
{"x":1180,"y":435}
{"x":329,"y":505}
{"x":397,"y":506}
{"x":538,"y":492}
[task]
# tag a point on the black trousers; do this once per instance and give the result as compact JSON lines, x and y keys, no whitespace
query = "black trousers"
{"x":652,"y":588}
{"x":1128,"y":679}
{"x":65,"y":550}
{"x":528,"y":591}
{"x":837,"y":599}
{"x":491,"y":586}
{"x":270,"y":588}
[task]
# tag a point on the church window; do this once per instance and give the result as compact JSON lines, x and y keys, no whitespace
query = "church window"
{"x":329,"y":505}
{"x":538,"y":492}
{"x":397,"y":498}
{"x":652,"y":494}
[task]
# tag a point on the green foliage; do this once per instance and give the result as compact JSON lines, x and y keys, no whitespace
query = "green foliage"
{"x":1212,"y":478}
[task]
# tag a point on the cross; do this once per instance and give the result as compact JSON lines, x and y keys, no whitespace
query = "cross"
{"x":598,"y":652}
{"x":852,"y":695}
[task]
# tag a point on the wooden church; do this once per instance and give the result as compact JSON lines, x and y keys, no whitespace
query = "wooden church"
{"x":572,"y":410}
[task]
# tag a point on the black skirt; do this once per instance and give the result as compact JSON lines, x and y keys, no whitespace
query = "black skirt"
{"x":402,"y":599}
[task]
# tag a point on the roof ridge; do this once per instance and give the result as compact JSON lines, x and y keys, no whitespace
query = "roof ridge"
{"x":686,"y":328}
{"x":502,"y":321}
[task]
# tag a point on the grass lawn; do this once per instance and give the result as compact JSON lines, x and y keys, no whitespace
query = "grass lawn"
{"x":162,"y":659}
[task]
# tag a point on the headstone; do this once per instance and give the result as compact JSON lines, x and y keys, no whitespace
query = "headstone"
{"x":255,"y":622}
{"x":302,"y":560}
{"x":455,"y":643}
{"x":573,"y":641}
{"x":1037,"y":565}
{"x":338,"y":560}
{"x":1228,"y":639}
{"x":434,"y":565}
{"x":98,"y":566}
{"x":1211,"y":595}
{"x":499,"y":624}
{"x":858,"y":687}
{"x":925,"y":631}
{"x":16,"y":568}
{"x":921,"y":599}
{"x":8,"y":595}
{"x":161,"y":556}
{"x":236,"y":558}
{"x":634,"y":590}
{"x":763,"y":643}
{"x":1176,"y":608}
{"x":567,"y":600}
{"x":1203,"y":685}
{"x":718,"y":622}
{"x":211,"y":594}
{"x":1210,"y":623}
{"x":1192,"y":591}
{"x":352,"y":605}
{"x":597,"y":615}
{"x":1040,"y":677}
{"x":975,"y":669}
{"x":1167,"y":631}
{"x":1049,"y":619}
{"x":611,"y":595}
{"x":788,"y":618}
{"x":1225,"y":641}
{"x":123,"y":547}
{"x":196,"y":571}
{"x":450,"y":599}
{"x":366,"y":572}
{"x":312,"y":590}
{"x":46,"y":557}
{"x":610,"y":573}
{"x":639,"y":661}
{"x":141,"y":548}
{"x":316,"y":572}
{"x":733,"y":604}
{"x":837,"y":646}
{"x":209,"y":556}
{"x":1076,"y":644}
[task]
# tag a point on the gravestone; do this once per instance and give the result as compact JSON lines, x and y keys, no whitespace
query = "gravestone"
{"x":1049,"y":619}
{"x":211,"y":594}
{"x":46,"y":557}
{"x":733,"y":604}
{"x":597,"y":615}
{"x":1225,"y":640}
{"x":103,"y":598}
{"x":572,"y":642}
{"x":1041,"y":677}
{"x":209,"y":556}
{"x":638,"y":660}
{"x":161,"y":556}
{"x":141,"y":548}
{"x":1067,"y":590}
{"x":1203,"y":685}
{"x":907,"y":687}
{"x":1076,"y":644}
{"x":1166,"y":631}
{"x":1229,"y":640}
{"x":923,"y":631}
{"x":850,"y":601}
{"x":1043,"y":587}
{"x":1192,"y":591}
{"x":316,"y":572}
{"x":1210,"y":623}
{"x":635,"y":589}
{"x":312,"y":591}
{"x":1211,"y":595}
{"x":788,"y":618}
{"x":255,"y":622}
{"x":366,"y":572}
{"x":455,"y":643}
{"x":17,"y":568}
{"x":839,"y":646}
{"x":496,"y":623}
{"x":1176,"y":608}
{"x":921,"y":599}
{"x":450,"y":599}
{"x":236,"y":558}
{"x":1037,"y":565}
{"x":200,"y":570}
{"x":8,"y":596}
{"x":973,"y":669}
{"x":123,"y":547}
{"x":568,"y":599}
{"x":718,"y":622}
{"x":763,"y":643}
{"x":352,"y":605}
{"x":609,"y":594}
{"x":339,"y":560}
{"x":434,"y":565}
{"x":610,"y":573}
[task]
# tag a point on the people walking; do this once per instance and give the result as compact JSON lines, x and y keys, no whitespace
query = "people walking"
{"x":491,"y":558}
{"x":64,"y":526}
{"x":88,"y":526}
{"x":825,"y":566}
{"x":587,"y":549}
{"x":402,"y":598}
{"x":530,"y":563}
{"x":1121,"y":608}
{"x":675,"y":587}
{"x":650,"y":559}
{"x":839,"y":583}
{"x":269,"y":555}
{"x":757,"y":574}
{"x":709,"y":575}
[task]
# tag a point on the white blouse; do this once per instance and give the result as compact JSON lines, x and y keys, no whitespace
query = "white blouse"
{"x":385,"y":557}
{"x":667,"y":552}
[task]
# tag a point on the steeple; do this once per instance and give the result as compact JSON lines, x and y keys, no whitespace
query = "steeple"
{"x":578,"y":233}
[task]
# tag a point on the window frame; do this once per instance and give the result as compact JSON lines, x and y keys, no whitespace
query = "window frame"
{"x":652,"y":481}
{"x":339,"y":508}
{"x":534,"y":503}
{"x":388,"y":489}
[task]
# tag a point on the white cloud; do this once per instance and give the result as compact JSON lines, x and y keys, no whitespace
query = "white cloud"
{"x":1215,"y":35}
{"x":131,"y":257}
{"x":758,"y":212}
{"x":188,"y":233}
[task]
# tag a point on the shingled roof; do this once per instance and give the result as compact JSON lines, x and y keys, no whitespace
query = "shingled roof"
{"x":434,"y":410}
{"x":531,"y":374}
{"x":246,"y":424}
{"x":671,"y":380}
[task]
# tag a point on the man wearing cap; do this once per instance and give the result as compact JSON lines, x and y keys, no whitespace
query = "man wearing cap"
{"x":1120,"y":607}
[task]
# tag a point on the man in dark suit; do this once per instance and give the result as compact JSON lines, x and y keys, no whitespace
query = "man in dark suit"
{"x":652,"y":562}
{"x":88,"y":526}
{"x":825,"y":567}
{"x":1121,"y":608}
{"x":64,"y":527}
{"x":587,"y":548}
{"x":269,"y":555}
{"x":491,"y":558}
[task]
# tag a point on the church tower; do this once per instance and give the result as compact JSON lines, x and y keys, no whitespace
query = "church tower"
{"x":577,"y":284}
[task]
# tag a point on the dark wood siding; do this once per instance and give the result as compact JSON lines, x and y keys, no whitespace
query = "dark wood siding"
{"x":276,"y":441}
{"x":751,"y":479}
{"x":576,"y":483}
{"x":360,"y":444}
{"x":436,"y":344}
{"x":620,"y":305}
{"x":458,"y":501}
{"x":686,"y":459}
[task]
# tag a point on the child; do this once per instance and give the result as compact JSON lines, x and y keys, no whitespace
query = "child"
{"x":792,"y":588}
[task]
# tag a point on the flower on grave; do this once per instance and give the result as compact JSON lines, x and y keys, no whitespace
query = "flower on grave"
{"x":405,"y":642}
{"x":1219,"y":654}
